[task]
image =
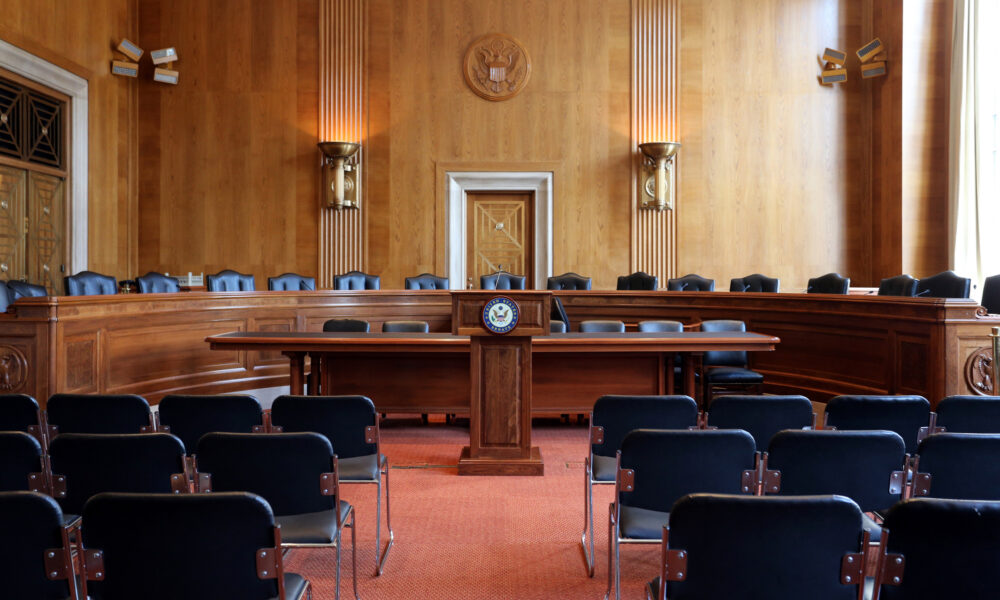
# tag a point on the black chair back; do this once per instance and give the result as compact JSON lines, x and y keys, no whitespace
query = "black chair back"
{"x":94,"y":463}
{"x":773,"y":548}
{"x":157,"y":283}
{"x":23,"y":289}
{"x":661,"y":326}
{"x":946,"y":284}
{"x":341,"y":419}
{"x":356,"y":280}
{"x":568,"y":281}
{"x":558,"y":313}
{"x":30,"y":527}
{"x":855,"y":464}
{"x":406,"y":327}
{"x":637,"y":281}
{"x":283,"y":468}
{"x":19,"y":412}
{"x":99,"y":413}
{"x":831,"y":283}
{"x":991,"y":295}
{"x":903,"y":414}
{"x":426,"y":281}
{"x":88,"y":283}
{"x":761,"y":416}
{"x":597,"y":326}
{"x":502,"y":281}
{"x":346,"y":326}
{"x":964,"y":466}
{"x":969,"y":414}
{"x":201,"y":546}
{"x":724,"y":358}
{"x":619,"y":415}
{"x":291,"y":281}
{"x":21,"y":458}
{"x":230,"y":281}
{"x":900,"y":285}
{"x":190,"y":417}
{"x":755,"y":283}
{"x":691,"y":283}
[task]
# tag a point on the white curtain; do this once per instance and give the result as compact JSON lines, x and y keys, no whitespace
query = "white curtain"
{"x":974,"y":198}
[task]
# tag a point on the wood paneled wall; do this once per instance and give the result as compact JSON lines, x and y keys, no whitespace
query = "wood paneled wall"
{"x":80,"y":37}
{"x":229,"y":164}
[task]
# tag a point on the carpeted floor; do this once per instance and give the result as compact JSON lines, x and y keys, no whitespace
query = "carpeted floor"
{"x":478,"y":537}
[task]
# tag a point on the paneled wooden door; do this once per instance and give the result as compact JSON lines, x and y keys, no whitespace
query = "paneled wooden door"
{"x":500,"y":231}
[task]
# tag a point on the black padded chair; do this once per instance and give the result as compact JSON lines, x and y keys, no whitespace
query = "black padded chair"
{"x":21,"y":467}
{"x":296,"y":473}
{"x":291,"y":281}
{"x":189,"y":417}
{"x":346,"y":326}
{"x":193,"y":546}
{"x":98,"y":413}
{"x":88,"y":283}
{"x":831,"y":283}
{"x":157,"y":283}
{"x":726,"y":369}
{"x":557,"y":326}
{"x":356,"y":280}
{"x":991,"y":295}
{"x":869,"y":467}
{"x":406,"y":327}
{"x":612,"y":418}
{"x":19,"y":412}
{"x":940,"y":549}
{"x":502,"y":281}
{"x":637,"y":281}
{"x":964,"y":466}
{"x":85,"y":464}
{"x":661,"y":326}
{"x":909,"y":416}
{"x":657,"y":467}
{"x":598,"y":326}
{"x":558,"y":313}
{"x":691,"y":283}
{"x":568,"y":281}
{"x":351,"y":424}
{"x":761,"y":416}
{"x":23,"y":289}
{"x":230,"y":281}
{"x":969,"y":414}
{"x":35,"y":555}
{"x":771,"y":548}
{"x":755,"y":283}
{"x":900,"y":285}
{"x":944,"y":285}
{"x":426,"y":281}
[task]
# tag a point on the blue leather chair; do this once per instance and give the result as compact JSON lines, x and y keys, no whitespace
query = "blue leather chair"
{"x":356,"y":280}
{"x":291,"y":281}
{"x":426,"y":281}
{"x":502,"y":281}
{"x":157,"y":283}
{"x":568,"y":281}
{"x":88,"y":283}
{"x":230,"y":281}
{"x":23,"y":289}
{"x":637,"y":281}
{"x":900,"y":285}
{"x":944,"y":285}
{"x":831,"y":283}
{"x":755,"y":283}
{"x":691,"y":283}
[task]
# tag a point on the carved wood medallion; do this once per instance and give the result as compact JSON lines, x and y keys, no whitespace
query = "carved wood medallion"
{"x":13,"y":368}
{"x":979,"y":372}
{"x":496,"y":67}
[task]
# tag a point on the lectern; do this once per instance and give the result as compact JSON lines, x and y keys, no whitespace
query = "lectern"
{"x":500,"y":325}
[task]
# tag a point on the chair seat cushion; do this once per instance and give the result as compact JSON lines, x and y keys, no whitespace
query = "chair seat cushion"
{"x":734,"y":375}
{"x":359,"y":468}
{"x":874,"y":529}
{"x":642,"y":523}
{"x":604,"y":468}
{"x":311,"y":528}
{"x":295,"y":587}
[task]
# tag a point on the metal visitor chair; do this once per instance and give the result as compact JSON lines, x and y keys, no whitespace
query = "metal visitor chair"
{"x":969,"y":414}
{"x":98,"y":413}
{"x":189,"y":417}
{"x":35,"y":554}
{"x":22,"y":467}
{"x":964,"y":466}
{"x":20,"y":412}
{"x":909,"y":416}
{"x":760,"y":416}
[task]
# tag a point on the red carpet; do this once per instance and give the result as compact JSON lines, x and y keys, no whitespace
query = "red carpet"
{"x":478,"y":537}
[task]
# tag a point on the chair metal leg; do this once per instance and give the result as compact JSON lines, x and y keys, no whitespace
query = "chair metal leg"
{"x":340,"y":537}
{"x":354,"y":557}
{"x":380,"y":559}
{"x":588,"y":521}
{"x":612,"y":547}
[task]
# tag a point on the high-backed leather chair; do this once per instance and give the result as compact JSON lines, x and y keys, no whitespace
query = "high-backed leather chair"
{"x":558,"y":313}
{"x":23,"y":289}
{"x":356,"y":280}
{"x":691,"y":283}
{"x":900,"y":285}
{"x":291,"y":281}
{"x":831,"y":283}
{"x":726,"y":368}
{"x":637,"y":281}
{"x":230,"y":281}
{"x":944,"y":285}
{"x":502,"y":281}
{"x":88,"y":283}
{"x":568,"y":281}
{"x":346,"y":326}
{"x":426,"y":281}
{"x":755,"y":283}
{"x":157,"y":283}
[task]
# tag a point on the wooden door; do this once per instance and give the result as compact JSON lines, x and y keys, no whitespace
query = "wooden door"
{"x":46,"y":247}
{"x":12,"y":230}
{"x":500,"y":231}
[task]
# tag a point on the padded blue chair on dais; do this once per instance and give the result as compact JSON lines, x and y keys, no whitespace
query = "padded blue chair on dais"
{"x":157,"y":283}
{"x":426,"y":281}
{"x":691,"y":283}
{"x":88,"y":283}
{"x":230,"y":281}
{"x":991,"y":294}
{"x":406,"y":327}
{"x":900,"y":285}
{"x":946,"y":284}
{"x":23,"y":289}
{"x":291,"y":282}
{"x":755,"y":283}
{"x":831,"y":283}
{"x":356,"y":280}
{"x":502,"y":281}
{"x":568,"y":281}
{"x":346,"y":326}
{"x":637,"y":281}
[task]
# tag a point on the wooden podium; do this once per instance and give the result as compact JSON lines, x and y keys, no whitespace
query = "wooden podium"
{"x":500,"y":394}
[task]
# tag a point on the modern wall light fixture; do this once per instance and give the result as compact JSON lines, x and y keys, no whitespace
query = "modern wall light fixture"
{"x":340,"y":179}
{"x":127,"y":68}
{"x":166,"y":74}
{"x":655,"y":175}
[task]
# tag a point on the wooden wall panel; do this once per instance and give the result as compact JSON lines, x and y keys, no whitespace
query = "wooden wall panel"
{"x":230,"y":168}
{"x":80,"y":37}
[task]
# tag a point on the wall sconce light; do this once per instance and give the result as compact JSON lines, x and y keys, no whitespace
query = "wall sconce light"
{"x":340,"y":180}
{"x":656,"y":171}
{"x":165,"y":74}
{"x":127,"y":68}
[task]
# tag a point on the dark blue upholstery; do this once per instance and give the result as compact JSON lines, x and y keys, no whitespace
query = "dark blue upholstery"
{"x":190,"y":417}
{"x":831,"y":283}
{"x":637,"y":281}
{"x":356,"y":280}
{"x":969,"y":414}
{"x":755,"y":283}
{"x":426,"y":281}
{"x":88,"y":283}
{"x":761,"y":416}
{"x":30,"y":525}
{"x":6,"y":297}
{"x":691,"y":283}
{"x":502,"y":281}
{"x":230,"y":281}
{"x":157,"y":283}
{"x":98,"y":413}
{"x":568,"y":281}
{"x":406,"y":327}
{"x":556,"y":326}
{"x":903,"y":414}
{"x":900,"y":285}
{"x":23,"y":289}
{"x":661,"y":326}
{"x":18,"y":412}
{"x":991,"y":295}
{"x":22,"y":456}
{"x":558,"y":313}
{"x":965,"y":466}
{"x":619,"y":415}
{"x":291,"y":281}
{"x":341,"y":419}
{"x":346,"y":326}
{"x":598,"y":326}
{"x":946,"y":284}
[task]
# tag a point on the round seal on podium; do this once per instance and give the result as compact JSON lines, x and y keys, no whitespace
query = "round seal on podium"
{"x":500,"y":315}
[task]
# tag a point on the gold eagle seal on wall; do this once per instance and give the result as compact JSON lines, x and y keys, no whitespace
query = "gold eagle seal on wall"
{"x":497,"y":67}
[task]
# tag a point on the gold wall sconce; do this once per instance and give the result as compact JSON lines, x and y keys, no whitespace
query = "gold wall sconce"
{"x":655,"y":176}
{"x":340,"y":179}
